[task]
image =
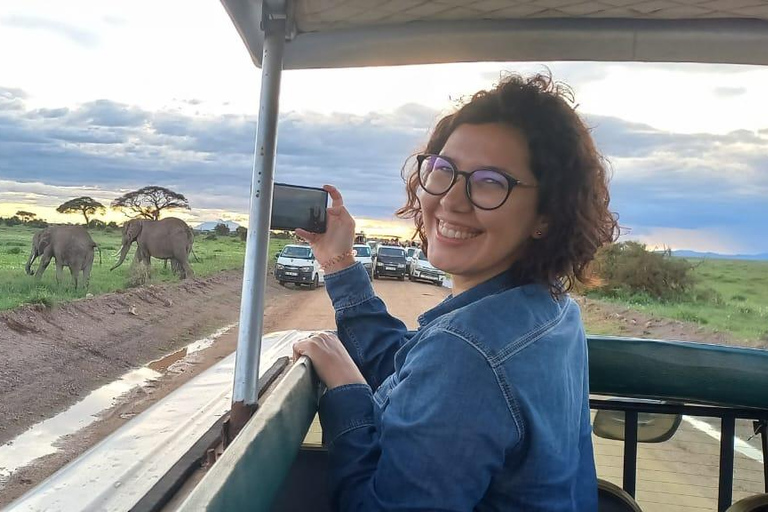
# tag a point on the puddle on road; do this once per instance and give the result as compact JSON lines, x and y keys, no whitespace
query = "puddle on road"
{"x":42,"y":439}
{"x":165,"y":362}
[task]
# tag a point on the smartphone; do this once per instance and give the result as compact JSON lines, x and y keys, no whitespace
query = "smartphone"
{"x":294,"y":206}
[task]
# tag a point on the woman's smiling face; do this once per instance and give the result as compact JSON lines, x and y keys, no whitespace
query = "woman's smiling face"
{"x":474,"y":244}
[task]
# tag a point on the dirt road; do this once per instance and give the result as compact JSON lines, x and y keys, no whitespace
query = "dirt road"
{"x":55,"y":358}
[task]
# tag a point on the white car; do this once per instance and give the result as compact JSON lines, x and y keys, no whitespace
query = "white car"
{"x":296,"y":264}
{"x":363,"y":255}
{"x":423,"y":270}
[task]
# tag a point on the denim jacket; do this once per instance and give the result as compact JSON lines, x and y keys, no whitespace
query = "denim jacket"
{"x":485,"y":407}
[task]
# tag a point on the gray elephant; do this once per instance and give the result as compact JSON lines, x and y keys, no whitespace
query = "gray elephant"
{"x":169,"y":238}
{"x":70,"y":246}
{"x":175,"y":266}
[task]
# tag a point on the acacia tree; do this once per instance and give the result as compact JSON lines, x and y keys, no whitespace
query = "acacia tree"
{"x":149,"y":202}
{"x":85,"y":205}
{"x":25,"y":216}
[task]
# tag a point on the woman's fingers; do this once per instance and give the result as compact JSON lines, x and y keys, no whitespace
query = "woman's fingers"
{"x":336,"y":199}
{"x":335,"y":210}
{"x":309,"y":345}
{"x":307,"y":236}
{"x":302,"y":348}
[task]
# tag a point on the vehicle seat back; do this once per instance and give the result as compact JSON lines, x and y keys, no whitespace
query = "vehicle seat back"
{"x":612,"y":498}
{"x":757,"y":503}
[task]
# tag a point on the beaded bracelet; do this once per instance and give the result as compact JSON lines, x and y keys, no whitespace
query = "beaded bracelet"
{"x":337,"y":259}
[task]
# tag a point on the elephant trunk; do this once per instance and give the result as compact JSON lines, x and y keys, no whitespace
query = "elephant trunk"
{"x":32,"y":258}
{"x":123,"y":253}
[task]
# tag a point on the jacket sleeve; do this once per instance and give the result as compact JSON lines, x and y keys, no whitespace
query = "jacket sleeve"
{"x":370,"y":334}
{"x":446,"y":430}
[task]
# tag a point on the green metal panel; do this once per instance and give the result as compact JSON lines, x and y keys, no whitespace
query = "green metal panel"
{"x":678,"y":370}
{"x":251,"y":470}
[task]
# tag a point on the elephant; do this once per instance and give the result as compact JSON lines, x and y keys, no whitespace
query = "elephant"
{"x":169,"y":238}
{"x":175,"y":266}
{"x":70,"y":246}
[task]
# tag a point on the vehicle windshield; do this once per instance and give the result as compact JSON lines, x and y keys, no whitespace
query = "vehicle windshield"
{"x":363,"y":250}
{"x":391,"y":251}
{"x":422,"y":256}
{"x":304,"y":253}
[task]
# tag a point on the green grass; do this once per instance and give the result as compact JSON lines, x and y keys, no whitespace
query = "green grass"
{"x":17,"y":288}
{"x":730,"y":296}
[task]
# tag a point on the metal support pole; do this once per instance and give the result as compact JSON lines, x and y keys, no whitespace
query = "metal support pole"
{"x":245,"y":392}
{"x":761,"y":427}
{"x":725,"y":485}
{"x":630,"y":452}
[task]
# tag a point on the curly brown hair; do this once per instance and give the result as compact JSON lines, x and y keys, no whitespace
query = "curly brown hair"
{"x":572,"y":176}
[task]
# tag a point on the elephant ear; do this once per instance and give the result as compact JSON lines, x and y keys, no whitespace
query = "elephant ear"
{"x":42,"y":240}
{"x":133,"y":229}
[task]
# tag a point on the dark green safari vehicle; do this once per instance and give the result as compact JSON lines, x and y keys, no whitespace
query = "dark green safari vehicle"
{"x":255,"y":447}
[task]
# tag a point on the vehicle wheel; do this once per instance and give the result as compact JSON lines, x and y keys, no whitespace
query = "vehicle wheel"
{"x":402,"y":277}
{"x":410,"y":278}
{"x":315,"y":281}
{"x":282,"y":283}
{"x":375,"y":275}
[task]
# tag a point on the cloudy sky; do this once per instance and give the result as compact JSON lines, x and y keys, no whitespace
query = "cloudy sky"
{"x":98,"y":98}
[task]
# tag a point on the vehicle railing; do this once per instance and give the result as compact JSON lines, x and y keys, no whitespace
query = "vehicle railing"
{"x":700,"y":379}
{"x":727,"y":415}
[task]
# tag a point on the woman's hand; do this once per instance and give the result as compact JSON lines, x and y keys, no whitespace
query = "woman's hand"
{"x":330,"y":360}
{"x":338,"y":237}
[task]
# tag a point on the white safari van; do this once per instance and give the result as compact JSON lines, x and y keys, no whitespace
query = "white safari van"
{"x":296,"y":264}
{"x":364,"y":256}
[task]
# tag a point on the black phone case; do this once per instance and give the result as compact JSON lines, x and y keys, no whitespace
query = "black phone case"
{"x":316,"y":221}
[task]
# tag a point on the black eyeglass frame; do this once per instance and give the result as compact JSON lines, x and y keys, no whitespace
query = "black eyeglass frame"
{"x":513,"y":182}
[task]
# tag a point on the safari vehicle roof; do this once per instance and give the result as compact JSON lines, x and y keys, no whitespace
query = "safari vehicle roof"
{"x":342,"y":33}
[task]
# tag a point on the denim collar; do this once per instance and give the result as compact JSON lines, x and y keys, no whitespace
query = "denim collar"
{"x":499,"y":283}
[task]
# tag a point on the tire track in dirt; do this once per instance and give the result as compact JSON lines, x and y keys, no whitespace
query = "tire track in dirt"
{"x":54,"y":357}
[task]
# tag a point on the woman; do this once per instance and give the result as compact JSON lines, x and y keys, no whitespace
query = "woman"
{"x":486,"y":406}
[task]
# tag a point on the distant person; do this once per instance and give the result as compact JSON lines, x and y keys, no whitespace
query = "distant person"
{"x":486,"y":406}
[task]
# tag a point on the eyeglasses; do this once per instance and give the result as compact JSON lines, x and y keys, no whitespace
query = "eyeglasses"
{"x":487,"y":188}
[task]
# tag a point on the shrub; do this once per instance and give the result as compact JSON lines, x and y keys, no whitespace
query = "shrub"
{"x":211,"y":237}
{"x":221,"y":229}
{"x":242,"y":233}
{"x":137,"y":276}
{"x":43,"y":300}
{"x":628,"y":268}
{"x":14,"y":250}
{"x":37,"y":223}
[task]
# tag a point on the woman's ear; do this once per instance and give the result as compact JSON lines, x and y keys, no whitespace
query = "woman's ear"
{"x":540,"y":228}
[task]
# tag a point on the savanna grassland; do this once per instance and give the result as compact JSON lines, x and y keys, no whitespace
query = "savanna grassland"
{"x":16,"y":288}
{"x":728,"y":295}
